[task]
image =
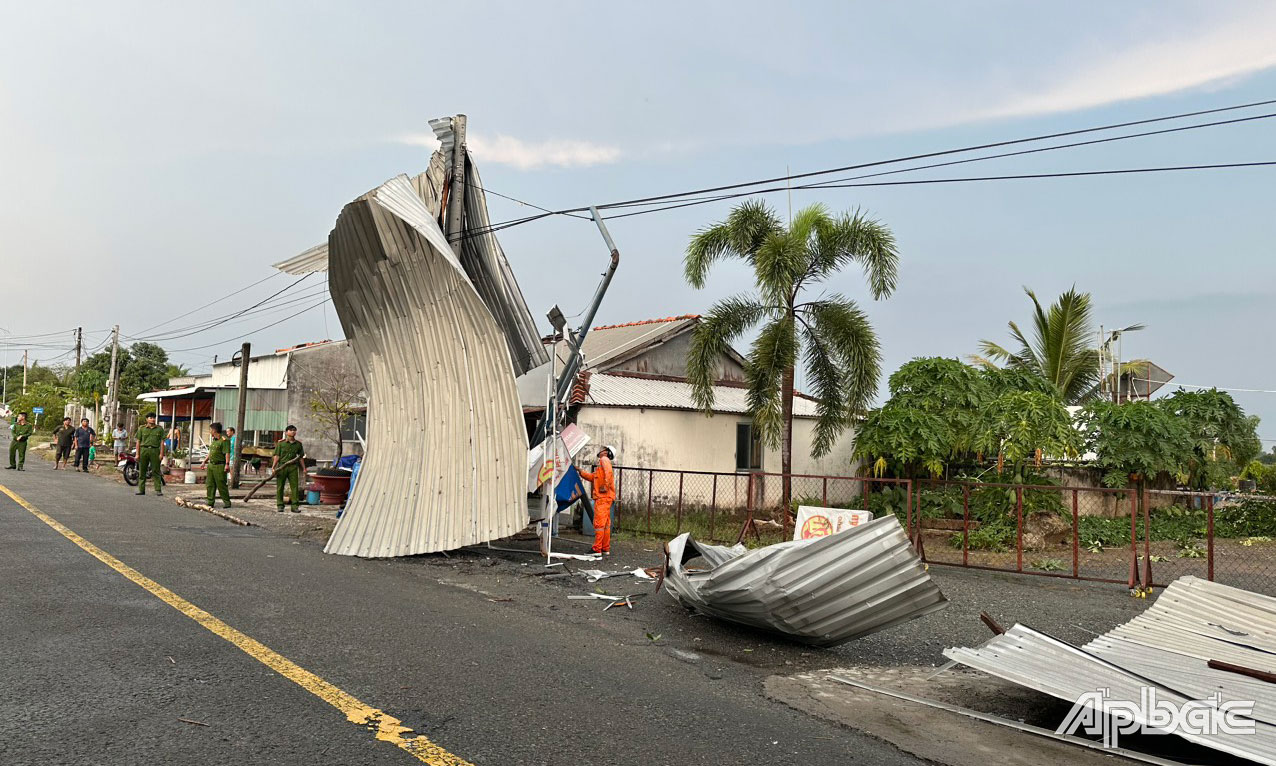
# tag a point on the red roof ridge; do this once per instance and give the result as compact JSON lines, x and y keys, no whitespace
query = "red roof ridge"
{"x":647,"y":321}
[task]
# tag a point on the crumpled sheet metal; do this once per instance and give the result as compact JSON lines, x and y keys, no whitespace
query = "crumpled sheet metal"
{"x":824,"y":591}
{"x":1167,"y":648}
{"x":447,"y":445}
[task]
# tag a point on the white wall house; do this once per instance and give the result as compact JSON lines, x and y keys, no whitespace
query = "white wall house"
{"x":634,"y":395}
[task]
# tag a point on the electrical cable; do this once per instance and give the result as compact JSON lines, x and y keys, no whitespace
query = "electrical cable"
{"x":214,"y":302}
{"x":253,"y":332}
{"x":232,"y":318}
{"x":222,"y":320}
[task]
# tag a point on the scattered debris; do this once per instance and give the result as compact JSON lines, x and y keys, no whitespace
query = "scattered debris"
{"x":654,"y":637}
{"x":183,"y":502}
{"x":823,"y":591}
{"x":192,"y":723}
{"x":1199,"y":639}
{"x":500,"y":600}
{"x":594,"y":575}
{"x":170,"y":659}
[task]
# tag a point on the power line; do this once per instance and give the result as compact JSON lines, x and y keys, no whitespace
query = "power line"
{"x":233,"y":318}
{"x":253,"y":332}
{"x":212,"y":303}
{"x":1221,"y":388}
{"x":927,"y":155}
{"x":965,"y":179}
{"x":219,"y":320}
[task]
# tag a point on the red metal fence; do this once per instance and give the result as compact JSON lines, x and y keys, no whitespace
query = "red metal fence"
{"x":1083,"y":533}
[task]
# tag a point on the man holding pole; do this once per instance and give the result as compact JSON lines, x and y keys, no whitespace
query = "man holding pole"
{"x":150,"y":453}
{"x":286,"y":466}
{"x":217,"y":461}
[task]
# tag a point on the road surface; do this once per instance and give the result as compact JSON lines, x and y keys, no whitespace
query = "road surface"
{"x":138,"y":632}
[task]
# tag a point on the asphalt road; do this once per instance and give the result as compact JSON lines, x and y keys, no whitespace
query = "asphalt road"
{"x":99,"y":671}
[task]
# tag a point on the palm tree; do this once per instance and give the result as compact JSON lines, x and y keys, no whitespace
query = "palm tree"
{"x":829,"y":333}
{"x":1062,"y":349}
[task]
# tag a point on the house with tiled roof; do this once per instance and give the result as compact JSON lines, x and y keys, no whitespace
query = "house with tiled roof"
{"x":633,"y":393}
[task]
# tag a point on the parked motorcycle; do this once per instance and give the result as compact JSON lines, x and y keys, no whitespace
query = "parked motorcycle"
{"x":131,"y":469}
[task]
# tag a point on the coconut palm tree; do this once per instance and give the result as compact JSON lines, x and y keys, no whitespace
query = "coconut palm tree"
{"x":1062,"y":349}
{"x":829,"y":333}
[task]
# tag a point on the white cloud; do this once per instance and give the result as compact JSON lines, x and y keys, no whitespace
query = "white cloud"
{"x":529,"y":155}
{"x":1213,"y":55}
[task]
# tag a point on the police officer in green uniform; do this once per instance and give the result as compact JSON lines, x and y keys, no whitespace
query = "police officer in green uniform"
{"x":19,"y":432}
{"x":289,"y":454}
{"x":218,"y":456}
{"x":150,"y":451}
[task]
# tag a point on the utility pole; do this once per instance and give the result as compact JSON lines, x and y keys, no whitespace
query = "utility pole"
{"x":24,"y":373}
{"x":113,"y":383}
{"x":456,"y":194}
{"x":79,"y":346}
{"x":244,"y":354}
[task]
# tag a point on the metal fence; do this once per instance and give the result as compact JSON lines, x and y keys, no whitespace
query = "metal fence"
{"x":1082,"y":533}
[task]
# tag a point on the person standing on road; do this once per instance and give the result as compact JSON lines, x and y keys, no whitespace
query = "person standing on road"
{"x":217,"y":462}
{"x":65,"y":434}
{"x":286,"y":465}
{"x":602,"y":481}
{"x":84,"y":436}
{"x":120,"y":436}
{"x":150,"y":451}
{"x":19,"y":433}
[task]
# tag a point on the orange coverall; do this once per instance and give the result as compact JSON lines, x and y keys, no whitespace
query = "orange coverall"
{"x":603,"y":482}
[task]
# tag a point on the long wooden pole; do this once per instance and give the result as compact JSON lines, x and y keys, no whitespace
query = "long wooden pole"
{"x":245,"y":356}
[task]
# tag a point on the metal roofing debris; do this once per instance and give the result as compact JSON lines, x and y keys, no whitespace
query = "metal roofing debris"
{"x":1167,"y":648}
{"x":823,"y":591}
{"x":482,"y":258}
{"x":446,"y":440}
{"x":633,"y":391}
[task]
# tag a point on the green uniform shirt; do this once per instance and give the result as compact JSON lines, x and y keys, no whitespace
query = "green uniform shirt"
{"x":218,"y":449}
{"x":21,"y":431}
{"x":150,"y":436}
{"x":286,"y":450}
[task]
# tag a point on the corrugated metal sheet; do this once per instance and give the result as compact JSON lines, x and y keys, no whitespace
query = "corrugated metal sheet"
{"x":1166,"y":648}
{"x":823,"y":591}
{"x":446,"y":442}
{"x":625,"y":391}
{"x":308,"y":262}
{"x":267,"y":408}
{"x":482,"y":257}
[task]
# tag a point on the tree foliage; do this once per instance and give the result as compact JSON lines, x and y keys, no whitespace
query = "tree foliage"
{"x":1137,"y":439}
{"x":1061,"y":349}
{"x":143,"y":367}
{"x":830,"y":335}
{"x":52,"y":398}
{"x":941,"y":409}
{"x":1224,"y":440}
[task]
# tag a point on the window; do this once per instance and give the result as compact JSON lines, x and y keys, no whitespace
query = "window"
{"x":355,"y":421}
{"x":748,"y":448}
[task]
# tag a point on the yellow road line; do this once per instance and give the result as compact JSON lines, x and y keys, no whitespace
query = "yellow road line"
{"x":385,"y":727}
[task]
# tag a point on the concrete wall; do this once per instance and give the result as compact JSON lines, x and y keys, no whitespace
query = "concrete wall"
{"x":689,"y":441}
{"x":327,"y":368}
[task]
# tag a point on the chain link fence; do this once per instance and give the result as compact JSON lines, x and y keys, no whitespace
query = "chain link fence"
{"x":1124,"y":536}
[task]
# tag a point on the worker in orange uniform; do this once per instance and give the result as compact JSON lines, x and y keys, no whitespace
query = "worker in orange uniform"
{"x":603,"y":481}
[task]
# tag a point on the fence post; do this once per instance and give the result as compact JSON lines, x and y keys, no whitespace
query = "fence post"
{"x":620,"y":499}
{"x":1147,"y":541}
{"x":713,"y":510}
{"x":651,"y":478}
{"x":908,"y":511}
{"x":678,"y":523}
{"x":1076,"y":537}
{"x":1209,"y":539}
{"x":965,"y":525}
{"x":1133,"y":497}
{"x":1019,"y":529}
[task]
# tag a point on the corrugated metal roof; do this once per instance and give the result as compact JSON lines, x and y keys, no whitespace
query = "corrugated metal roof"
{"x":308,"y":262}
{"x":626,"y":391}
{"x":823,"y":591}
{"x":446,"y":442}
{"x":610,"y":342}
{"x":1166,"y":648}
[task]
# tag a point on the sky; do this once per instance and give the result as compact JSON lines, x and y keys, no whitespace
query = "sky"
{"x":158,"y":157}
